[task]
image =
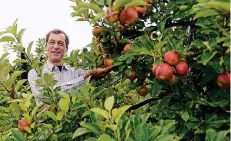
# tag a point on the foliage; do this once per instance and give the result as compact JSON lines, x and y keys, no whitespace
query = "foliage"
{"x":184,"y":107}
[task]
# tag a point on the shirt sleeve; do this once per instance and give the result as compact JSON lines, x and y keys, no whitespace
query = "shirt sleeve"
{"x":32,"y":77}
{"x":76,"y":82}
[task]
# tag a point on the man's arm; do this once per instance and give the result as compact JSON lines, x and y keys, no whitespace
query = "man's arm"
{"x":32,"y":77}
{"x":78,"y":82}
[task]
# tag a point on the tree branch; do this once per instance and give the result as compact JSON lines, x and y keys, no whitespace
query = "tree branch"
{"x":142,"y":103}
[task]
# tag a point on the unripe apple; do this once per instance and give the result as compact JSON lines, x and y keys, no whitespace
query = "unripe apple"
{"x":164,"y":72}
{"x":128,"y":16}
{"x":143,"y":91}
{"x":23,"y":123}
{"x":108,"y":62}
{"x":171,"y":57}
{"x":182,"y":68}
{"x":223,"y":80}
{"x":127,"y":47}
{"x":96,"y":30}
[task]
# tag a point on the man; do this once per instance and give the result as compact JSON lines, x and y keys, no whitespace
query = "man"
{"x":57,"y":43}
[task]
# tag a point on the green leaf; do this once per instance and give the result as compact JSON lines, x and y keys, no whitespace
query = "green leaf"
{"x":18,"y":135}
{"x":93,"y":128}
{"x":19,"y":48}
{"x":205,"y":13}
{"x":156,"y":86}
{"x":108,"y":104}
{"x":117,"y":113}
{"x":119,"y":3}
{"x":168,"y":126}
{"x":219,"y":103}
{"x":198,"y":43}
{"x":80,"y":132}
{"x":5,"y":72}
{"x":16,"y":74}
{"x":113,"y":127}
{"x":91,"y":139}
{"x":154,"y":132}
{"x":28,"y":50}
{"x":159,"y":45}
{"x":34,"y":111}
{"x":19,"y":37}
{"x":105,"y":137}
{"x":8,"y":83}
{"x":7,"y":39}
{"x":51,"y":115}
{"x":135,"y":3}
{"x":141,"y":132}
{"x":101,"y":112}
{"x":92,"y":6}
{"x":207,"y":56}
{"x":184,"y":115}
{"x":210,"y":135}
{"x":64,"y":95}
{"x":60,"y":115}
{"x":220,"y":5}
{"x":221,"y":136}
{"x":14,"y":107}
{"x":164,"y":137}
{"x":64,"y":105}
{"x":19,"y":84}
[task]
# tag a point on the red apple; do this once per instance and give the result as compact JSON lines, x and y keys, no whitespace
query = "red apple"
{"x":182,"y":68}
{"x":103,"y":50}
{"x":128,"y":16}
{"x":127,"y":47}
{"x":108,"y":62}
{"x":154,"y":66}
{"x":223,"y":80}
{"x":171,"y":57}
{"x":122,"y":28}
{"x":132,"y":76}
{"x":23,"y":123}
{"x":141,"y":9}
{"x":164,"y":71}
{"x":143,"y":91}
{"x":96,"y":30}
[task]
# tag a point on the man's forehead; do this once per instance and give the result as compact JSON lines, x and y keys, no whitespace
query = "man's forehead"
{"x":60,"y":36}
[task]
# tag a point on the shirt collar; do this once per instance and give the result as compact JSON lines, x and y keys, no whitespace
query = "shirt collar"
{"x":51,"y":66}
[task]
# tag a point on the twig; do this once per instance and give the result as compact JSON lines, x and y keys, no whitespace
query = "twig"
{"x":142,"y":103}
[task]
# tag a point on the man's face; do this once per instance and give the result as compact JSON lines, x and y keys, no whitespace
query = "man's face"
{"x":56,"y":48}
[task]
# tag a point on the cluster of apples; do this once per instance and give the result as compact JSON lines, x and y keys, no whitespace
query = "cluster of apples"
{"x":126,"y":16}
{"x":171,"y":67}
{"x":143,"y":90}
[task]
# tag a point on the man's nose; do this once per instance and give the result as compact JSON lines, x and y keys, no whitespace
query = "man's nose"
{"x":56,"y":46}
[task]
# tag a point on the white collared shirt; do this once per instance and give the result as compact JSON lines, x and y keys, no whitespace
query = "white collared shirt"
{"x":67,"y":78}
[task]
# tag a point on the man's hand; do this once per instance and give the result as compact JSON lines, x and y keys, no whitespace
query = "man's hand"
{"x":98,"y":72}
